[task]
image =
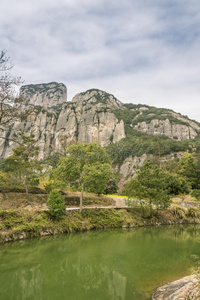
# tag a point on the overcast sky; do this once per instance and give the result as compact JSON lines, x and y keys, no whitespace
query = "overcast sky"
{"x":141,"y":51}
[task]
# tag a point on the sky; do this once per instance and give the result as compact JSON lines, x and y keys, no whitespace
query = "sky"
{"x":141,"y":51}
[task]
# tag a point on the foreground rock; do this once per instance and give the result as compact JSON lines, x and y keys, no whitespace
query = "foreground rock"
{"x":182,"y":289}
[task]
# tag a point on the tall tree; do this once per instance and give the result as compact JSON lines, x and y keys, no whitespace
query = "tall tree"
{"x":150,"y":187}
{"x":23,"y":161}
{"x":86,"y":166}
{"x":188,"y":169}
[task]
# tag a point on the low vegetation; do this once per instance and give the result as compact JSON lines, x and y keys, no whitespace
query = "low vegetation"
{"x":56,"y":205}
{"x":22,"y":223}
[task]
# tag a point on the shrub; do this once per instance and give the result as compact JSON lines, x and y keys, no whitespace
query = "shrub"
{"x":179,"y":212}
{"x":56,"y":205}
{"x":196,"y":194}
{"x":48,"y":186}
{"x":192,"y":212}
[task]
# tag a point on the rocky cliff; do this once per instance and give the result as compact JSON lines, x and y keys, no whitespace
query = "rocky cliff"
{"x":172,"y":130}
{"x":87,"y":118}
{"x":45,"y":94}
{"x":91,"y":116}
{"x":160,"y":121}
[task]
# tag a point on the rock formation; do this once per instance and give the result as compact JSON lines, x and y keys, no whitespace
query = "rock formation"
{"x":170,"y":129}
{"x":87,"y":118}
{"x":158,"y":121}
{"x":131,"y":165}
{"x":45,"y":94}
{"x":182,"y":289}
{"x":91,"y":116}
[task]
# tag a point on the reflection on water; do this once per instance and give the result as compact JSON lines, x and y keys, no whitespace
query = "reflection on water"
{"x":113,"y":265}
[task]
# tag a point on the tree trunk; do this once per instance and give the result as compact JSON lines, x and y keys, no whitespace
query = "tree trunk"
{"x":81,"y":198}
{"x":142,"y":208}
{"x":150,"y":207}
{"x":26,"y":185}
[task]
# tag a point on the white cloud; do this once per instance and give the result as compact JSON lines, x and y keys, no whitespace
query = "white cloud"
{"x":141,"y":51}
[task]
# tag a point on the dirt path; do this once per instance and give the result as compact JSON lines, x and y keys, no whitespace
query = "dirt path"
{"x":119,"y":202}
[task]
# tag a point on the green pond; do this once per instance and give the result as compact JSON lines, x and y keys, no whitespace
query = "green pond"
{"x":113,"y":264}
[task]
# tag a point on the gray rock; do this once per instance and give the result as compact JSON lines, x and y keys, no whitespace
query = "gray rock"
{"x":88,"y":118}
{"x":132,"y":164}
{"x":45,"y":95}
{"x":182,"y":289}
{"x":170,"y":129}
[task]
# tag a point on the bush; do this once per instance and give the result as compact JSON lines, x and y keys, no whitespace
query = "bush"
{"x":196,"y":194}
{"x":48,"y":186}
{"x":56,"y":205}
{"x":179,"y":212}
{"x":192,"y":212}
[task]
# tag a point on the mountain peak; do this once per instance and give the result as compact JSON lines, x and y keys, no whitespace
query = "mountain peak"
{"x":97,"y":96}
{"x":44,"y":94}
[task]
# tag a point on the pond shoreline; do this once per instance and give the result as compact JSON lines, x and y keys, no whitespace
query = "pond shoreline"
{"x":24,"y":224}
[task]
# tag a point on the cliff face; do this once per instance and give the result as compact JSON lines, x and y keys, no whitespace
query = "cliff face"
{"x":45,"y":94}
{"x":131,"y":165}
{"x":87,"y":118}
{"x":158,"y":121}
{"x":170,"y":129}
{"x":91,"y":116}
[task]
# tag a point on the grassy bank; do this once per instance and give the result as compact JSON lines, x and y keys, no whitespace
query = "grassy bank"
{"x":13,"y":200}
{"x":22,"y":223}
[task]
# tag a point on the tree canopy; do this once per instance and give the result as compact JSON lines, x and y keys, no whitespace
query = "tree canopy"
{"x":150,"y":187}
{"x":188,"y":169}
{"x":85,"y":166}
{"x":23,"y":162}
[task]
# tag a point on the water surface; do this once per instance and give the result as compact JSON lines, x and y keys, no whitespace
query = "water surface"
{"x":97,"y":265}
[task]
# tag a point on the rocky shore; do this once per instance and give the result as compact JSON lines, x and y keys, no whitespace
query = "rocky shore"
{"x":186,"y":288}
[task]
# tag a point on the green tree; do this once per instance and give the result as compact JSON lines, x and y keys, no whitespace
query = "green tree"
{"x":96,"y":176}
{"x":176,"y":184}
{"x":149,"y":187}
{"x":86,"y":167}
{"x":111,"y":187}
{"x":56,"y":205}
{"x":23,"y":162}
{"x":188,"y":169}
{"x":197,"y":156}
{"x":4,"y":179}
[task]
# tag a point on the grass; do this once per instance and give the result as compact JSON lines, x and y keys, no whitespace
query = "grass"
{"x":13,"y":200}
{"x":22,"y":223}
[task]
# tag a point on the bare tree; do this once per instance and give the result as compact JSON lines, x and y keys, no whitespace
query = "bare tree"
{"x":10,"y":104}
